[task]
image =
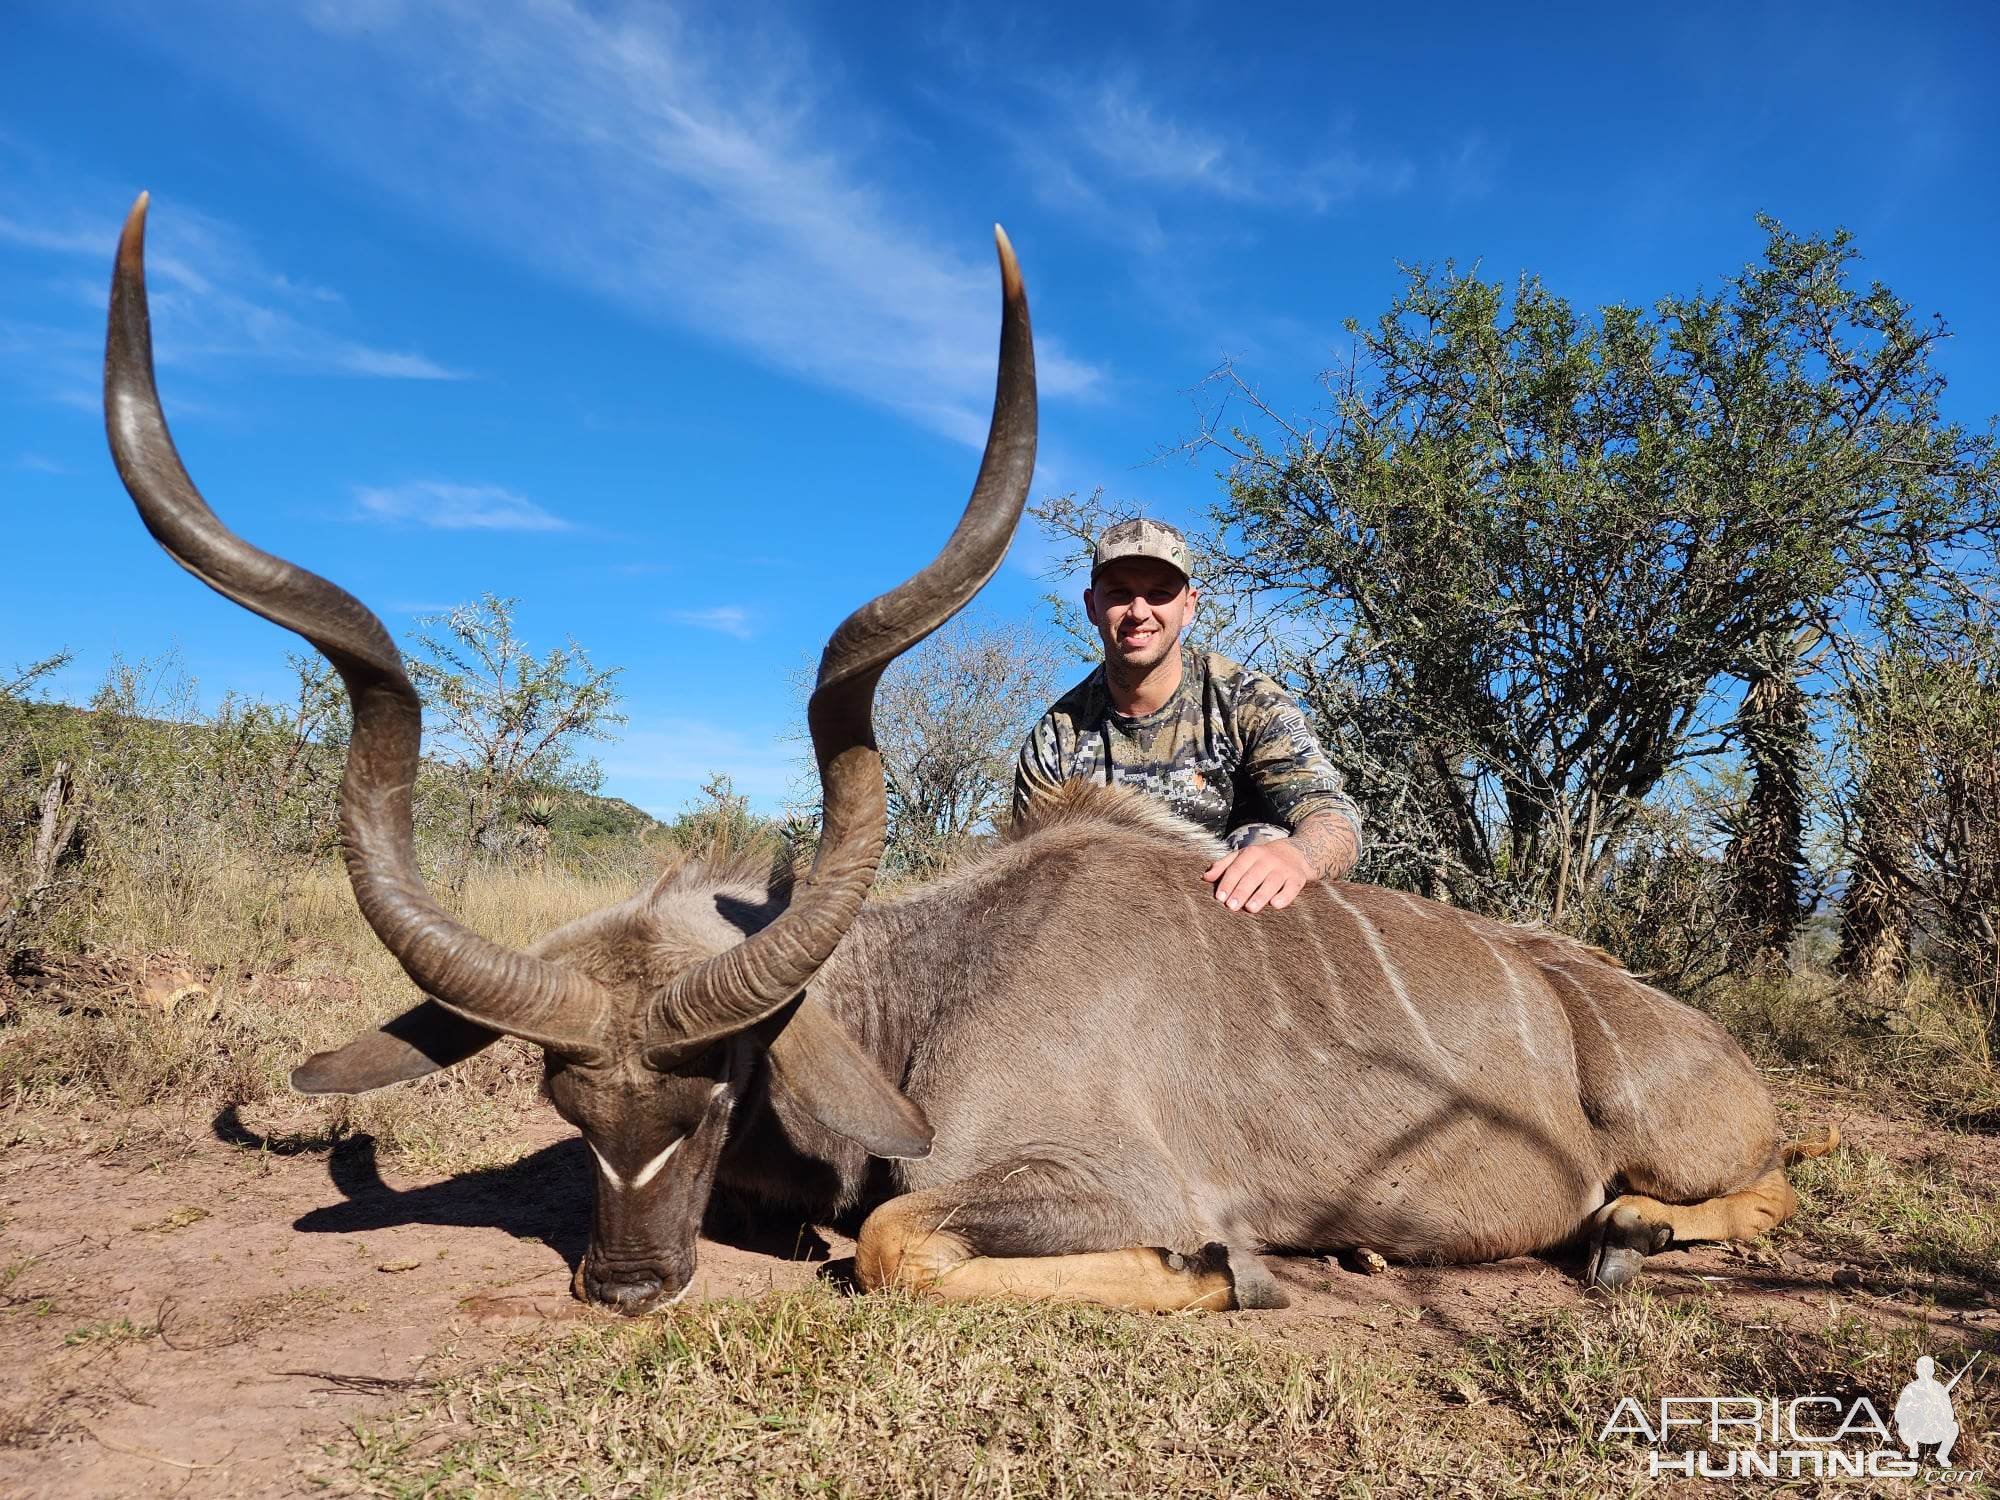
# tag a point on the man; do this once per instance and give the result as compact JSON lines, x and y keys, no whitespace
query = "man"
{"x":1221,"y":745}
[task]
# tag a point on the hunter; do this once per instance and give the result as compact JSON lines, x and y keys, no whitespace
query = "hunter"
{"x":1222,"y":746}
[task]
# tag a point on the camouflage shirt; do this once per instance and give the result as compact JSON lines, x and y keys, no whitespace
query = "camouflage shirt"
{"x":1228,"y":748}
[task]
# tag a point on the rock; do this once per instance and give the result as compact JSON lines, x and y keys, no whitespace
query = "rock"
{"x":167,"y":984}
{"x":1361,"y":1261}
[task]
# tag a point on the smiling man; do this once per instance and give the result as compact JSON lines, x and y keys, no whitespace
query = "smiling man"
{"x":1222,"y":746}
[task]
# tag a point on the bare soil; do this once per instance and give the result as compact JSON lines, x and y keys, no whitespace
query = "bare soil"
{"x":205,"y":1311}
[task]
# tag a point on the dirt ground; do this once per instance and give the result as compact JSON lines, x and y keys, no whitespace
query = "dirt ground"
{"x":199,"y":1310}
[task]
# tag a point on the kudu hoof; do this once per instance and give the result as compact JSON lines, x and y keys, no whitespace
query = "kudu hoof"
{"x":1256,"y":1289}
{"x":1622,"y":1243}
{"x":1252,"y":1287}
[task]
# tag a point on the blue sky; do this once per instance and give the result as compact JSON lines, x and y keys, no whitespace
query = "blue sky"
{"x":678,"y":322}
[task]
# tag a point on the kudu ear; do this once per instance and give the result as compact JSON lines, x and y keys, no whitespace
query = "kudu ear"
{"x":823,"y":1070}
{"x":421,"y":1040}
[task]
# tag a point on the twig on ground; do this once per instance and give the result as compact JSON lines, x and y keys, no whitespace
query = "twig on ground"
{"x":338,"y":1382}
{"x":158,"y":1458}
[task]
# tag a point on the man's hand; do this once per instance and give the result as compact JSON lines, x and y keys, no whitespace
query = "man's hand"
{"x":1262,"y":875}
{"x":1272,"y":873}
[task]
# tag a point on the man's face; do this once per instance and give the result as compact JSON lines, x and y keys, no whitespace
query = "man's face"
{"x":1140,"y":606}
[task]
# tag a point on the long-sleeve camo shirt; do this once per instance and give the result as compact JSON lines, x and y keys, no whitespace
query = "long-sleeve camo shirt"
{"x":1229,"y":748}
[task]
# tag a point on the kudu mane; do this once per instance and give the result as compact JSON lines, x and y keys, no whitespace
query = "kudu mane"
{"x":1077,"y":814}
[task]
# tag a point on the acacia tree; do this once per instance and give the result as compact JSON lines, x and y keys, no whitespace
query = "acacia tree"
{"x":503,"y":719}
{"x":718,"y":823}
{"x":950,"y":716}
{"x":1531,"y":552}
{"x":279,"y":765}
{"x":40,"y":814}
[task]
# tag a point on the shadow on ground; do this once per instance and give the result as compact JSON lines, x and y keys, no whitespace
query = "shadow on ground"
{"x":544,"y":1196}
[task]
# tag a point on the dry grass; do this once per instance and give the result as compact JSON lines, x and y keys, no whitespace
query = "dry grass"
{"x":290,"y":969}
{"x":1562,"y":1375}
{"x":1923,"y":1051}
{"x":814,"y":1394}
{"x":1928,"y":1228}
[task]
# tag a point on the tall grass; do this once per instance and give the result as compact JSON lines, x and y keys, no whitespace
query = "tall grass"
{"x":289,"y":968}
{"x":1923,"y":1048}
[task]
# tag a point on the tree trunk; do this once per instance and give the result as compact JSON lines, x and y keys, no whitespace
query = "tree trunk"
{"x":1767,"y":853}
{"x":1875,"y":913}
{"x":62,"y":817}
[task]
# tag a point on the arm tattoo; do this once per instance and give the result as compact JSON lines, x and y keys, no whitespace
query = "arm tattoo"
{"x":1327,"y":843}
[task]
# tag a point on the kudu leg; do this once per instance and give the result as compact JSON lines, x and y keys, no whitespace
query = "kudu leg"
{"x":910,"y":1242}
{"x":1629,"y":1228}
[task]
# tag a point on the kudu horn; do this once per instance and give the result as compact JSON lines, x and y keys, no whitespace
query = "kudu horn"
{"x":743,"y":984}
{"x":482,"y":981}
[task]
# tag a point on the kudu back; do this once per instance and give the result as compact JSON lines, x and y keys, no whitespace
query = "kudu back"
{"x":1065,"y":1071}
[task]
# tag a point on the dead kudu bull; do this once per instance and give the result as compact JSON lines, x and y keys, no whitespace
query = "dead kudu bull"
{"x":1066,"y":1071}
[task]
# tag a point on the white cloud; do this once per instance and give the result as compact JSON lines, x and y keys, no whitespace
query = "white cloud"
{"x":212,"y":295}
{"x":54,"y":241}
{"x":456,"y":507}
{"x":703,"y":178}
{"x":37,"y":463}
{"x":1471,"y":167}
{"x":726,"y":619}
{"x":1105,"y":150}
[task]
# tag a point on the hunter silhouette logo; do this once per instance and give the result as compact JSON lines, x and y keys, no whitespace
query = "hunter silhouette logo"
{"x":1924,"y":1414}
{"x":1772,"y":1437}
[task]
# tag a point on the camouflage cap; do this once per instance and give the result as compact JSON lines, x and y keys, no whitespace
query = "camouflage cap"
{"x":1142,"y":538}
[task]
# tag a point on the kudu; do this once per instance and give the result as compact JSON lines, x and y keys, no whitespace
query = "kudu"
{"x":1132,"y":1089}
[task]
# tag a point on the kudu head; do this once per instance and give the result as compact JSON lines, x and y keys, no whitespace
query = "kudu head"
{"x":648,"y":1045}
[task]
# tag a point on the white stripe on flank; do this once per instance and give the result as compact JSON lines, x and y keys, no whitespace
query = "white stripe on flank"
{"x":1395,"y":980}
{"x":1416,"y":907}
{"x":645,"y":1174}
{"x":1626,"y":1085}
{"x":1519,"y":991}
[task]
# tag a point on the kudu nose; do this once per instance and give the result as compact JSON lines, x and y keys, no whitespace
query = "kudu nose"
{"x":625,"y":1292}
{"x":632,"y":1296}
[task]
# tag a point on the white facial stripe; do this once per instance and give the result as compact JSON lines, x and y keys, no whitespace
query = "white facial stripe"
{"x":645,"y":1174}
{"x":652,"y":1168}
{"x":605,"y":1167}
